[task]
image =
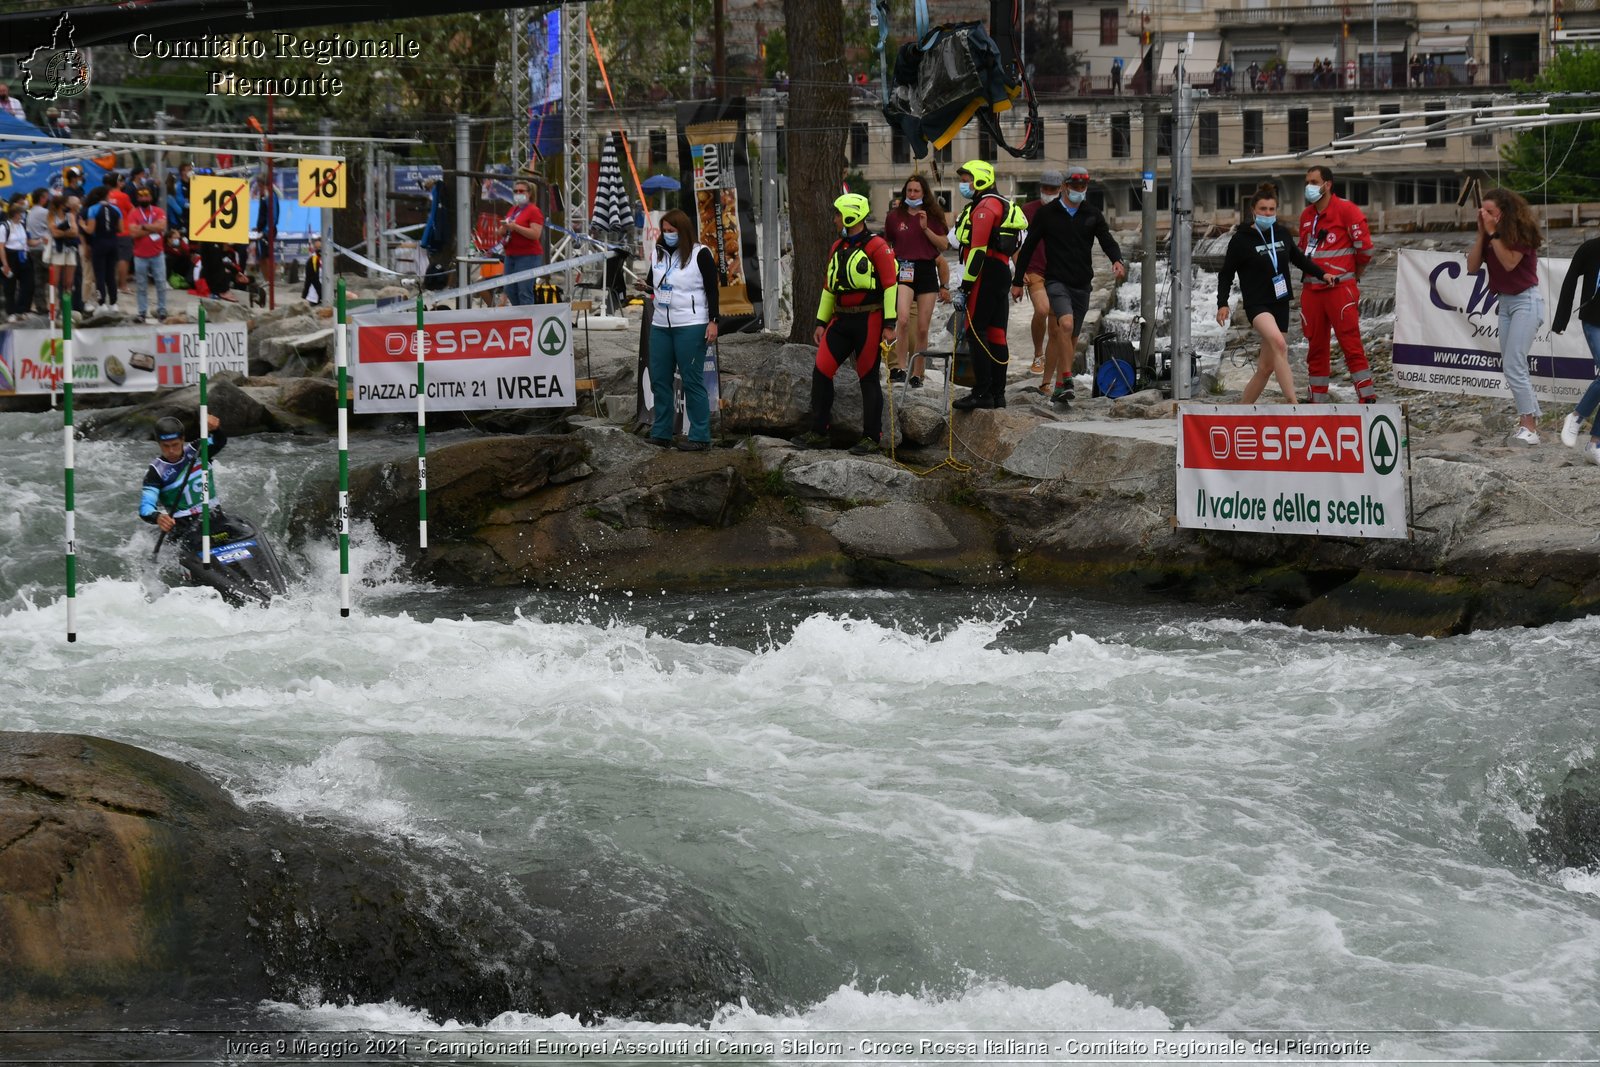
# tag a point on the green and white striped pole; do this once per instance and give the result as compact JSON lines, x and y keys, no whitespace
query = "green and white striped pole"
{"x":70,"y":464}
{"x":341,"y":356}
{"x":205,"y":445}
{"x":422,"y":432}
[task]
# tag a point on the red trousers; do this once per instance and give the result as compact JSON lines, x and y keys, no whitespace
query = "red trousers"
{"x":1335,"y":308}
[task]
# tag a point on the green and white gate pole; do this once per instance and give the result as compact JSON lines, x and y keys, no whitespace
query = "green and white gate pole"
{"x":69,"y":464}
{"x":341,"y":356}
{"x":422,"y":432}
{"x":205,"y":445}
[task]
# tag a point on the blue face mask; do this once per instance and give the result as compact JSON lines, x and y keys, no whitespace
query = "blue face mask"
{"x":670,"y":240}
{"x":1266,"y":222}
{"x":966,"y":190}
{"x":913,"y":203}
{"x":1076,"y":195}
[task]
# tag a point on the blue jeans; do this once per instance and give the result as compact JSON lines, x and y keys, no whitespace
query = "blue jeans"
{"x":680,"y":349}
{"x":1520,"y":317}
{"x":150,"y":269}
{"x":521,"y":292}
{"x":1591,"y":396}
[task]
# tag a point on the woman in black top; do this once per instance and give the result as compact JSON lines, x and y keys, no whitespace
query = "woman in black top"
{"x":1260,"y":255}
{"x":1582,"y":287}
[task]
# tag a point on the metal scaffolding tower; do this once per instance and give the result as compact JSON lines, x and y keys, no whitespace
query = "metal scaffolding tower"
{"x":575,"y":93}
{"x":521,"y":90}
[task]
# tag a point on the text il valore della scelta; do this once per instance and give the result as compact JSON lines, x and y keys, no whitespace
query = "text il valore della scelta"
{"x":321,"y":51}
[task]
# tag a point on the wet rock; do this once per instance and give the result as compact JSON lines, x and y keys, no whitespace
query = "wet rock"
{"x":125,"y":875}
{"x":311,"y":398}
{"x":849,"y":480}
{"x":1567,"y":833}
{"x":238,"y":411}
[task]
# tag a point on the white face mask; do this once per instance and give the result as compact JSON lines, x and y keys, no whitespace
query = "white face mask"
{"x":519,"y":199}
{"x":1313,"y":193}
{"x":1076,"y":196}
{"x":913,"y":203}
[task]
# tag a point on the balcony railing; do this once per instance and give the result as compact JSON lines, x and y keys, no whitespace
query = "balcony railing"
{"x":1312,"y":14}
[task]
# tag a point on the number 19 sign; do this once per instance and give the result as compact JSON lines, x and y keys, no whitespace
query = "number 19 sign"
{"x":219,"y":210}
{"x":322,"y":183}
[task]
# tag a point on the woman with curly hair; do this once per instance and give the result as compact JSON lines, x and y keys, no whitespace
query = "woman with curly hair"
{"x":1508,"y":244}
{"x":918,"y":233}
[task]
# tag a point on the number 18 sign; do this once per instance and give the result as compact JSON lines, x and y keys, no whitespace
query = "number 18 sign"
{"x":322,"y":183}
{"x":219,"y":210}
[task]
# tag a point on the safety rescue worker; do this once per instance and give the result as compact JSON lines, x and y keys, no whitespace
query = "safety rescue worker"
{"x":988,"y":231}
{"x":1334,"y":233}
{"x":855,"y":316}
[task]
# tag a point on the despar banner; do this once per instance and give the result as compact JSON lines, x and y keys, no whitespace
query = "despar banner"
{"x":711,"y":136}
{"x":1447,"y":332}
{"x":482,"y":359}
{"x":119,"y":359}
{"x":1333,"y":469}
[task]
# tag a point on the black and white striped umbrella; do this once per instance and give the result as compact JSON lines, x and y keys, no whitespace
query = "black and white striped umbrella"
{"x":613,"y":211}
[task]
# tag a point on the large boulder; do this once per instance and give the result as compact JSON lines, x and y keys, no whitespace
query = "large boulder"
{"x":125,"y":875}
{"x":1567,"y":833}
{"x":238,"y":412}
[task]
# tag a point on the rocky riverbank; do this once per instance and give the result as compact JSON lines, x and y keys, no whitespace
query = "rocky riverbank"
{"x":1034,"y":495}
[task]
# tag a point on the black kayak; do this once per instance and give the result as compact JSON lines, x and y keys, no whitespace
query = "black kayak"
{"x":244,"y":568}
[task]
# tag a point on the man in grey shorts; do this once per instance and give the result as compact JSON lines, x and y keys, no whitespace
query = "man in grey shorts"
{"x":1069,"y":227}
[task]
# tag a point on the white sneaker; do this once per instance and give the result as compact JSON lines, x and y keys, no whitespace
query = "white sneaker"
{"x":1569,"y":430}
{"x":1526,"y":436}
{"x":1591,"y":452}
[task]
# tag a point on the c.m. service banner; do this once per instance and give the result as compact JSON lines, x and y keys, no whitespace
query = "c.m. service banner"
{"x":1333,"y":469}
{"x":1447,"y":331}
{"x":477,"y":360}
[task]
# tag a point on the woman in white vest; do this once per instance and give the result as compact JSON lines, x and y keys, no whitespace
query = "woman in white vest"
{"x":684,"y":286}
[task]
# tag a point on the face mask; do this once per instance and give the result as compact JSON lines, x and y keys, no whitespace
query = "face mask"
{"x":966,"y":190}
{"x":519,"y":199}
{"x":1313,"y":193}
{"x":1076,"y":195}
{"x":670,"y":240}
{"x":1266,"y":222}
{"x":914,"y":203}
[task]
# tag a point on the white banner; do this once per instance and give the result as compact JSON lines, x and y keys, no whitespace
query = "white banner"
{"x":118,"y":359}
{"x":478,"y":360}
{"x":1334,"y":469}
{"x":1447,"y":331}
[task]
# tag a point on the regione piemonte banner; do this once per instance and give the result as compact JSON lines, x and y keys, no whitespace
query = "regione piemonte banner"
{"x":118,"y":359}
{"x":1332,"y":469}
{"x":477,"y":360}
{"x":1447,"y":331}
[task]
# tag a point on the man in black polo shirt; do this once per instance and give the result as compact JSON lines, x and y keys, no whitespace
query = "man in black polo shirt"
{"x":1068,"y":226}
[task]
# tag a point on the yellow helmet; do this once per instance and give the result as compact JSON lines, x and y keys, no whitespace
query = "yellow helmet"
{"x":982,"y":173}
{"x":852,"y":207}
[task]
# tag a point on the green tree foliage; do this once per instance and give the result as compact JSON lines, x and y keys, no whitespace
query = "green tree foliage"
{"x":1560,"y":164}
{"x":646,"y":44}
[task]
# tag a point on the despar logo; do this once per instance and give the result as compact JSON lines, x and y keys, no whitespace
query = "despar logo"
{"x":484,"y":339}
{"x":1310,"y":444}
{"x":56,"y":71}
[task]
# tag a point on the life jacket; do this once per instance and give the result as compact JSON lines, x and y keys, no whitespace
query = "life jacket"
{"x":1004,"y":239}
{"x":850,"y":264}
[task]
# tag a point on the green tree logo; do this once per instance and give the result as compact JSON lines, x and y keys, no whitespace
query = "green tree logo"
{"x":1383,"y":444}
{"x":553,"y":337}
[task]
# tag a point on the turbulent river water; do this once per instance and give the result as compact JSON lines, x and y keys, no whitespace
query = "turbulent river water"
{"x":968,"y":812}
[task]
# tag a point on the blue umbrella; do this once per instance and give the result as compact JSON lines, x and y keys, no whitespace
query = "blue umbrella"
{"x":661,"y":183}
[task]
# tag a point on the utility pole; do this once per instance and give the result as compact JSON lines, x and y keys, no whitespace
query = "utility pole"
{"x":384,"y":221}
{"x":158,"y":165}
{"x":1151,"y":112}
{"x":771,"y":282}
{"x":1178,"y":248}
{"x":328,"y":254}
{"x":372,"y":201}
{"x":720,"y":50}
{"x":463,"y":205}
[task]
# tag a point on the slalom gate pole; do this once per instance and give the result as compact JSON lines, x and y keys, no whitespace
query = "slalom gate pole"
{"x":205,"y":445}
{"x":422,"y":432}
{"x":69,"y":463}
{"x":341,"y":357}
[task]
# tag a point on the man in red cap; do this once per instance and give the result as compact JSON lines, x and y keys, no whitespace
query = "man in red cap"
{"x":1068,"y":228}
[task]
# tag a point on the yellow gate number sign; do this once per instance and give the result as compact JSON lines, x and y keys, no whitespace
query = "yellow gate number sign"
{"x":5,"y":173}
{"x":322,"y":183}
{"x":219,"y":210}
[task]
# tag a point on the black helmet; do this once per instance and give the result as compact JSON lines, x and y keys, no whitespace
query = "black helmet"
{"x":169,"y":429}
